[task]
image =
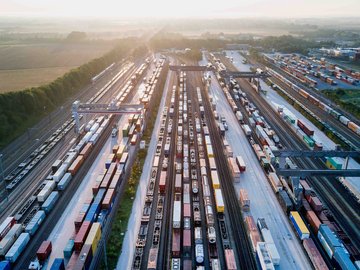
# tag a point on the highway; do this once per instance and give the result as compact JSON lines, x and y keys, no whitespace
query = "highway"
{"x":333,"y":194}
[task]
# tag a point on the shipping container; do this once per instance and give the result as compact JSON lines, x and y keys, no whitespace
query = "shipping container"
{"x":187,"y":241}
{"x":94,"y":236}
{"x":342,"y":258}
{"x":58,"y":264}
{"x":6,"y":226}
{"x":69,"y":248}
{"x":35,"y":222}
{"x":152,"y":261}
{"x":64,"y":182}
{"x":95,"y":206}
{"x":244,"y":200}
{"x":84,"y":260}
{"x":175,"y":249}
{"x":108,"y":199}
{"x":305,"y":128}
{"x":162,"y":181}
{"x":81,"y":235}
{"x":264,"y":256}
{"x":285,"y":201}
{"x":124,"y":158}
{"x":219,"y":201}
{"x":60,"y":172}
{"x":299,"y":225}
{"x":10,"y":238}
{"x":241,"y":163}
{"x":328,"y":239}
{"x":50,"y":202}
{"x":275,"y":182}
{"x":252,"y":231}
{"x":314,"y":255}
{"x":46,"y":190}
{"x":230,"y":259}
{"x":18,"y":247}
{"x":215,"y":179}
{"x":86,"y":150}
{"x":234,"y":168}
{"x":74,"y":167}
{"x":44,"y":251}
{"x":334,"y":163}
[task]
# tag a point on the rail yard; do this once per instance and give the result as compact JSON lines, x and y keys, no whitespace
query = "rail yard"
{"x":216,"y":189}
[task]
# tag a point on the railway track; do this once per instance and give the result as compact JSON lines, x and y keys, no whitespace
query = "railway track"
{"x":333,"y":194}
{"x":241,"y":241}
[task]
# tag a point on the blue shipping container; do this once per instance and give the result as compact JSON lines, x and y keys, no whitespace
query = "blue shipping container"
{"x":343,"y":259}
{"x":49,"y":204}
{"x":328,"y":239}
{"x":17,"y":247}
{"x":5,"y":265}
{"x":69,"y":249}
{"x":35,"y":222}
{"x":95,"y":206}
{"x":58,"y":264}
{"x":64,"y":182}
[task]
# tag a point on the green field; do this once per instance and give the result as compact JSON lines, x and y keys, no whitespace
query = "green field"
{"x":29,"y":65}
{"x":347,"y":99}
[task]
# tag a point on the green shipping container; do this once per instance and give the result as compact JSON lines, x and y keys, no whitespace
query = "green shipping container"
{"x":308,"y":141}
{"x":333,"y":164}
{"x":125,"y":130}
{"x":69,"y":249}
{"x":289,"y":119}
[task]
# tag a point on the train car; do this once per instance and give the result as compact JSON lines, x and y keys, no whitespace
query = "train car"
{"x":328,"y":240}
{"x":64,"y":182}
{"x":35,"y":222}
{"x":124,"y":158}
{"x":84,"y":259}
{"x":58,"y":264}
{"x":234,"y":168}
{"x":198,"y":235}
{"x":75,"y":166}
{"x":95,"y":206}
{"x":244,"y":200}
{"x":94,"y":236}
{"x":219,"y":201}
{"x":175,"y":248}
{"x":162,"y":181}
{"x":6,"y":226}
{"x":81,"y":235}
{"x":82,"y":213}
{"x":195,"y":186}
{"x":241,"y":163}
{"x":10,"y":238}
{"x":344,"y":120}
{"x":354,"y":127}
{"x":305,"y":128}
{"x":230,"y":259}
{"x":86,"y":150}
{"x":176,"y":222}
{"x":187,"y":241}
{"x":175,"y":264}
{"x":187,"y":264}
{"x":215,"y":179}
{"x":264,"y":256}
{"x":120,"y":151}
{"x":178,"y":184}
{"x":152,"y":261}
{"x":50,"y":202}
{"x":46,"y":190}
{"x":253,"y":232}
{"x":44,"y":251}
{"x":342,"y":258}
{"x":299,"y":225}
{"x":18,"y":247}
{"x":275,"y":182}
{"x":199,"y":253}
{"x":134,"y":139}
{"x":211,"y":233}
{"x":314,"y":255}
{"x":285,"y":201}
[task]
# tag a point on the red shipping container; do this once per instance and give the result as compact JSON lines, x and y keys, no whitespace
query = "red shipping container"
{"x":306,"y":205}
{"x":78,"y":221}
{"x":74,"y":167}
{"x":187,"y":240}
{"x":314,"y":255}
{"x":162,"y":182}
{"x":315,"y":203}
{"x":81,"y":235}
{"x":187,"y":210}
{"x":44,"y":251}
{"x":72,"y":261}
{"x":313,"y":220}
{"x":176,"y":244}
{"x":86,"y":150}
{"x":307,"y":189}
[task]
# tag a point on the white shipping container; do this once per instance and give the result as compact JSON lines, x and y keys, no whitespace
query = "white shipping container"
{"x":177,"y":214}
{"x":247,"y":130}
{"x":60,"y":172}
{"x":47,"y":189}
{"x":10,"y":238}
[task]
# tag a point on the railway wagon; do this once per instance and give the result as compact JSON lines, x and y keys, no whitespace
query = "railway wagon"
{"x":230,"y":259}
{"x":177,"y":215}
{"x":305,"y":128}
{"x":219,"y":201}
{"x":44,"y":251}
{"x":178,"y":184}
{"x":234,"y":168}
{"x":187,"y":241}
{"x":18,"y":247}
{"x":50,"y":202}
{"x":299,"y":225}
{"x":328,"y":240}
{"x":275,"y":182}
{"x":244,"y":200}
{"x":175,"y":248}
{"x":253,"y":232}
{"x":75,"y":166}
{"x":10,"y":238}
{"x":35,"y":222}
{"x":215,"y":179}
{"x":314,"y":255}
{"x":64,"y":182}
{"x":6,"y":226}
{"x":264,"y":256}
{"x":313,"y":220}
{"x":94,"y":236}
{"x":152,"y":261}
{"x":124,"y":158}
{"x":241,"y":163}
{"x":162,"y":181}
{"x":199,"y":253}
{"x":285,"y":201}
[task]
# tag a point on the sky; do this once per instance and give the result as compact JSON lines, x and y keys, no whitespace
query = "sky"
{"x":182,"y":8}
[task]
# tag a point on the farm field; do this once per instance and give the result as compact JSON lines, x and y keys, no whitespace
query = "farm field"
{"x":23,"y":66}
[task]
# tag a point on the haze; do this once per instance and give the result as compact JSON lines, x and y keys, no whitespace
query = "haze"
{"x":184,"y":8}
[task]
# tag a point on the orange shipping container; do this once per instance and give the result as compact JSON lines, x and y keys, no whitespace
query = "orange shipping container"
{"x":106,"y":203}
{"x":313,"y":220}
{"x":74,"y":167}
{"x":86,"y":150}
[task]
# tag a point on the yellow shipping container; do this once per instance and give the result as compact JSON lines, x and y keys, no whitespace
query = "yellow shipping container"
{"x":94,"y":236}
{"x":120,"y":151}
